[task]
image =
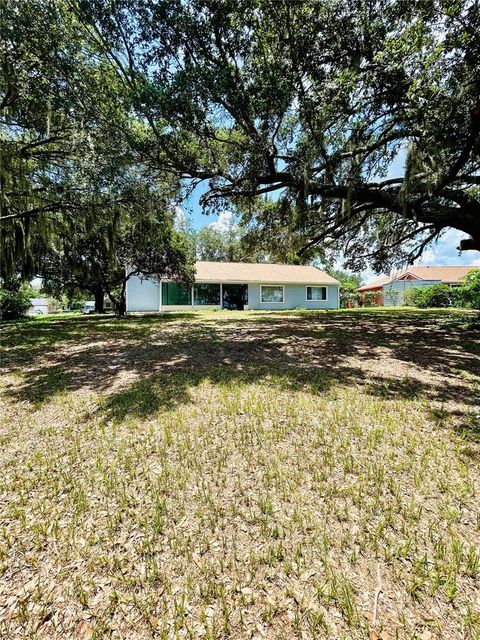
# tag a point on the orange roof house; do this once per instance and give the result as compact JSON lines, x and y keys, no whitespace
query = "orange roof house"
{"x":446,"y":275}
{"x":383,"y":288}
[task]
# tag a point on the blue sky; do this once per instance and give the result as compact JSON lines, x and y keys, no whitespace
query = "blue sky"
{"x":443,"y":252}
{"x":192,"y":207}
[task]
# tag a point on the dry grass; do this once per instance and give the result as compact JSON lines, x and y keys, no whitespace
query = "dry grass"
{"x":241,"y":475}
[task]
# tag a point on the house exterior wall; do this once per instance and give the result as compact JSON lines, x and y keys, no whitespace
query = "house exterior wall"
{"x":190,"y":307}
{"x":145,"y":295}
{"x":394,"y":292}
{"x":295,"y":295}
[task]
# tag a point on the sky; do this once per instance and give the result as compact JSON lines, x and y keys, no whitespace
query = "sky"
{"x":442,"y":252}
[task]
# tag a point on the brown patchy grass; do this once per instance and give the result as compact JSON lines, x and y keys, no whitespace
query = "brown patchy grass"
{"x":241,"y":475}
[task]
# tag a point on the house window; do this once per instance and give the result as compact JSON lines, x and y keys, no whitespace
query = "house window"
{"x":176,"y":294}
{"x":316,"y":293}
{"x":206,"y":294}
{"x":270,"y":293}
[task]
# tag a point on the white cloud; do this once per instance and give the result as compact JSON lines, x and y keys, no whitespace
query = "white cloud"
{"x":368,"y":275}
{"x":427,"y":257}
{"x":226,"y":220}
{"x":445,"y":252}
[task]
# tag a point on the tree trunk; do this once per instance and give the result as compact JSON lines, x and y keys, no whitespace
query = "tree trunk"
{"x":99,"y":301}
{"x":121,"y":306}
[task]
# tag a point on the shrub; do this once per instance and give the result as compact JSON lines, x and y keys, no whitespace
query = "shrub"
{"x":371,"y":298}
{"x":13,"y":304}
{"x":468,"y":295}
{"x":349,"y":298}
{"x":57,"y":303}
{"x":437,"y":295}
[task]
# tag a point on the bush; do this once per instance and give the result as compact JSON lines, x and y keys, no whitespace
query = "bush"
{"x":371,"y":299}
{"x":57,"y":303}
{"x":437,"y":295}
{"x":13,"y":304}
{"x":468,"y":295}
{"x":349,"y":298}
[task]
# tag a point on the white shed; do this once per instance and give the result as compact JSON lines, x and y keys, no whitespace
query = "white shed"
{"x":39,"y":306}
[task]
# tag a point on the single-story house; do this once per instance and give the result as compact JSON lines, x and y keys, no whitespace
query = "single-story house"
{"x":390,"y":290}
{"x":237,"y":285}
{"x":39,"y":306}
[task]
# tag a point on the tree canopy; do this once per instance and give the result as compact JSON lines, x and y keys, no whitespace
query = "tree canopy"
{"x":104,"y":247}
{"x":60,"y":107}
{"x":292,"y":112}
{"x":78,"y":204}
{"x":312,"y":102}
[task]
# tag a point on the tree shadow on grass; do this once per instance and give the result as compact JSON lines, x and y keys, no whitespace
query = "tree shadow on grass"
{"x":168,"y":391}
{"x":26,"y":339}
{"x":146,"y":364}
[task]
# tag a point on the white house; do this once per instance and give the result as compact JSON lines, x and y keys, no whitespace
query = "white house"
{"x":237,"y":285}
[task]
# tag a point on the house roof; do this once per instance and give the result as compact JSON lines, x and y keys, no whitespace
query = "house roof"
{"x":40,"y":302}
{"x":245,"y":272}
{"x":375,"y":284}
{"x":446,"y":274}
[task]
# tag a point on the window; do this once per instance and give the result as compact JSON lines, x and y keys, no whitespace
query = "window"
{"x":206,"y":294}
{"x":316,"y":293}
{"x":270,"y":293}
{"x":173,"y":293}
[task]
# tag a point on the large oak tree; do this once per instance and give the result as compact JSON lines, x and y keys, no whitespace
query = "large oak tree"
{"x":310,"y":102}
{"x":77,"y":204}
{"x":293,"y":112}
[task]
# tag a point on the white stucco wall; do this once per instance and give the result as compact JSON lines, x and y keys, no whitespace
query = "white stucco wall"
{"x":37,"y":309}
{"x":143,"y":295}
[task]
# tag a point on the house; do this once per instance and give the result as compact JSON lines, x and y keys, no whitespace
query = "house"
{"x":390,"y":290}
{"x":237,"y":285}
{"x":39,"y":306}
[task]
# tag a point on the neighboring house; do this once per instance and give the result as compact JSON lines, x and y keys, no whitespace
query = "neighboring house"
{"x":89,"y":306}
{"x":238,"y":285}
{"x":390,"y":290}
{"x":39,"y":306}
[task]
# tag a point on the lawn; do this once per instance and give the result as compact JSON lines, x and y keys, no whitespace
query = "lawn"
{"x":241,"y":475}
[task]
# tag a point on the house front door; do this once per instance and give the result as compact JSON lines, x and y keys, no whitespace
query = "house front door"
{"x":235,"y":296}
